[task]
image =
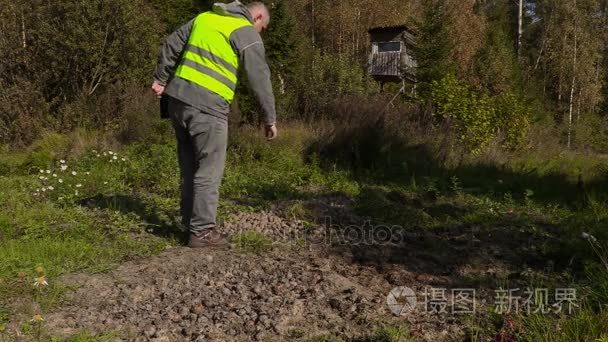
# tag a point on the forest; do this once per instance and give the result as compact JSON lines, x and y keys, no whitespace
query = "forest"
{"x":539,"y":64}
{"x":490,"y":173}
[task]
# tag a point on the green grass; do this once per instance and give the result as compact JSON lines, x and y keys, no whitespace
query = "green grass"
{"x":585,"y":325}
{"x":126,"y":209}
{"x":251,"y":242}
{"x":390,"y":334}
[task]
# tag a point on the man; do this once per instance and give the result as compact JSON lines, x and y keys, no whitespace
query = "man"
{"x":197,"y":72}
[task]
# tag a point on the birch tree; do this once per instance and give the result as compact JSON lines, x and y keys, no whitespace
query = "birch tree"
{"x":573,"y":57}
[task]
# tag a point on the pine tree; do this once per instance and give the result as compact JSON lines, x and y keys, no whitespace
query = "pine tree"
{"x":433,"y":45}
{"x":175,"y":13}
{"x":496,"y":64}
{"x":280,"y":43}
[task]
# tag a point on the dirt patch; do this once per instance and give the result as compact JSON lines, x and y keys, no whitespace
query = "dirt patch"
{"x":312,"y":288}
{"x":188,"y":294}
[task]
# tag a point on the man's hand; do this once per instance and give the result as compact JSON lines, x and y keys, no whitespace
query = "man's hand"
{"x":158,"y":88}
{"x":270,"y":131}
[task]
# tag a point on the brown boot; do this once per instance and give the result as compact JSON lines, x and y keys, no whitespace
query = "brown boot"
{"x":207,"y":238}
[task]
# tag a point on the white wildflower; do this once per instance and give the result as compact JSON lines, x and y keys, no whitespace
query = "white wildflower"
{"x":43,"y":189}
{"x":48,"y":171}
{"x":41,"y":177}
{"x":62,"y":161}
{"x":79,"y":185}
{"x":41,"y":171}
{"x":74,"y":173}
{"x":110,"y":152}
{"x":60,"y":180}
{"x":51,"y":188}
{"x":87,"y":173}
{"x":41,"y":281}
{"x":76,"y":192}
{"x":115,"y":157}
{"x":124,"y":160}
{"x":54,"y":175}
{"x":105,"y":183}
{"x":64,"y":167}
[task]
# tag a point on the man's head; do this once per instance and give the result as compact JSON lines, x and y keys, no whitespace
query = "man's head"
{"x":261,"y":16}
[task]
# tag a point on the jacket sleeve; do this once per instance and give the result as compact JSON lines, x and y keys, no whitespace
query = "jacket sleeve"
{"x":171,"y":53}
{"x":250,"y":48}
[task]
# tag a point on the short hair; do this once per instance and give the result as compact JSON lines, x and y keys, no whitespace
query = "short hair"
{"x":259,"y":5}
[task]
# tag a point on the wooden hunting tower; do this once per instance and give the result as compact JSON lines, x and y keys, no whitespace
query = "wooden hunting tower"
{"x":391,"y":58}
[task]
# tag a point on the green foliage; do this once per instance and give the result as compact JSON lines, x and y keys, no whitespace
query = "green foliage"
{"x":280,"y":40}
{"x":46,"y":150}
{"x":109,"y":223}
{"x":329,"y":77}
{"x":390,"y":334}
{"x":277,"y":170}
{"x":512,"y":120}
{"x":251,"y":242}
{"x":391,"y":206}
{"x":584,"y":325}
{"x":433,"y":49}
{"x":23,"y":112}
{"x":176,"y":13}
{"x":478,"y":119}
{"x":496,"y":64}
{"x":71,"y":51}
{"x":281,"y":53}
{"x":95,"y":51}
{"x":591,"y":133}
{"x":471,"y":115}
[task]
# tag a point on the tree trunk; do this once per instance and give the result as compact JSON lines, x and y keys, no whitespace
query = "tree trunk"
{"x":578,"y":104}
{"x":520,"y":28}
{"x":561,"y":74}
{"x":573,"y":85}
{"x":312,"y":18}
{"x":23,"y":36}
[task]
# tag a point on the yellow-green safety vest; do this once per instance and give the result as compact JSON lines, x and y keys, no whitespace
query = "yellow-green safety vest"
{"x":209,"y":60}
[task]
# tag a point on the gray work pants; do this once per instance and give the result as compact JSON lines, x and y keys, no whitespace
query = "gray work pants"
{"x":201,"y":150}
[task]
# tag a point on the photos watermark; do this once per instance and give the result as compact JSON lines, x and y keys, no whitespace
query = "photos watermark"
{"x":401,"y":300}
{"x":367,"y":234}
{"x":330,"y":234}
{"x":441,"y":301}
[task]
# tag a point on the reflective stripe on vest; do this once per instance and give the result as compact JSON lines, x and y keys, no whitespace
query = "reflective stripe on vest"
{"x":209,"y":60}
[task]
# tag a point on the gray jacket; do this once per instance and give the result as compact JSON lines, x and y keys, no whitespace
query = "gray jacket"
{"x":245,"y":41}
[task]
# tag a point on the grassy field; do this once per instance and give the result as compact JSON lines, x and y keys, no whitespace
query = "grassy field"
{"x":81,"y":203}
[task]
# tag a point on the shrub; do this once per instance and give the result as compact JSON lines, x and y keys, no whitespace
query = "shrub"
{"x":68,"y":51}
{"x":330,"y":77}
{"x":23,"y":113}
{"x":469,"y":114}
{"x":478,"y":119}
{"x":511,"y":120}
